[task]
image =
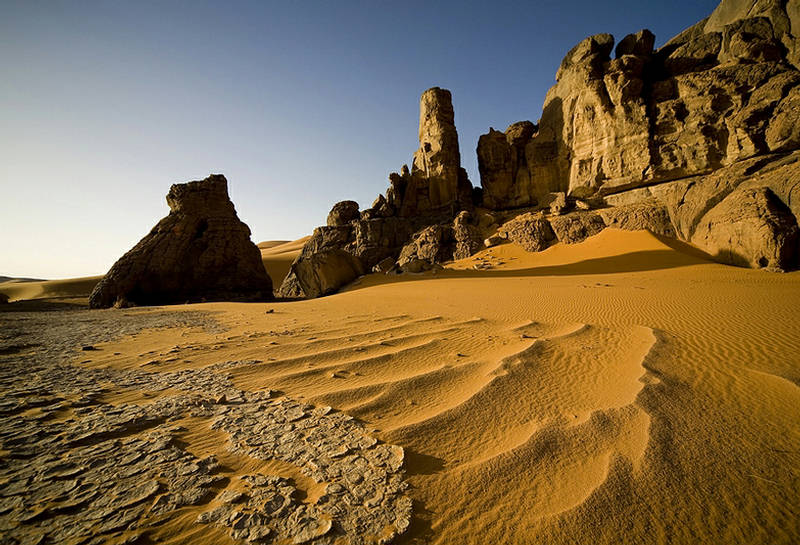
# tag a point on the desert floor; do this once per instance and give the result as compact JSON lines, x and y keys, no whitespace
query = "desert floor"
{"x":620,"y":390}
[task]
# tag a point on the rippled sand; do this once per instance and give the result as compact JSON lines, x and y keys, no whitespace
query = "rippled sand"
{"x":620,"y":390}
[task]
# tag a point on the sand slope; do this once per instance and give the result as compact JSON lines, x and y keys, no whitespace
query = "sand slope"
{"x":278,"y":255}
{"x":620,"y":390}
{"x":49,"y":289}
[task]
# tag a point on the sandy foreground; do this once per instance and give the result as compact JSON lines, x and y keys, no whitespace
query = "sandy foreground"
{"x":620,"y":390}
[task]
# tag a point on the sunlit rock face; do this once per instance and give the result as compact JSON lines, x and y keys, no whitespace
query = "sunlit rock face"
{"x":631,"y":125}
{"x":200,"y":251}
{"x":625,"y":117}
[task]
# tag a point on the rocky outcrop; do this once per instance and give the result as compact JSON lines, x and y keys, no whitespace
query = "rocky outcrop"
{"x":673,"y":140}
{"x":423,"y":200}
{"x":503,"y":167}
{"x":718,"y":93}
{"x":652,"y":129}
{"x":783,"y":16}
{"x":200,"y":251}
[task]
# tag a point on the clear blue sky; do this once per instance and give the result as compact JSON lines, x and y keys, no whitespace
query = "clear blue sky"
{"x":300,"y":104}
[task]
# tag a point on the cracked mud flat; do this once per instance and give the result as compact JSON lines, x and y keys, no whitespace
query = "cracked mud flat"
{"x":76,"y":467}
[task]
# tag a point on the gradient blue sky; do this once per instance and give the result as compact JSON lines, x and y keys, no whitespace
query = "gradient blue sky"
{"x":300,"y":104}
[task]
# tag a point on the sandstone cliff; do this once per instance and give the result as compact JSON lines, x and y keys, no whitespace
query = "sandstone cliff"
{"x":724,"y":91}
{"x":695,"y":140}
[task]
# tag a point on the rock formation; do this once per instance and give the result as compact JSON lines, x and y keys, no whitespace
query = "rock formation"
{"x":696,"y":140}
{"x":200,"y":251}
{"x":645,"y":126}
{"x":429,"y":195}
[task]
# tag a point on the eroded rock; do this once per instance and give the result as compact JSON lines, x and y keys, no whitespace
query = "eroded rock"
{"x":200,"y":251}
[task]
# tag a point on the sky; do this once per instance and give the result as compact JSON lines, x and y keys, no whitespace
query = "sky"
{"x":300,"y":104}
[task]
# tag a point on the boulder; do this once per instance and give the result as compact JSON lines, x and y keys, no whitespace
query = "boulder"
{"x":467,"y":235}
{"x":751,"y":227}
{"x":650,"y":215}
{"x":200,"y":251}
{"x":3,"y":298}
{"x":343,"y":213}
{"x":494,"y":240}
{"x":531,"y":231}
{"x":433,"y":244}
{"x":321,"y":273}
{"x":417,"y":265}
{"x":577,"y":226}
{"x":557,"y":203}
{"x":384,"y":266}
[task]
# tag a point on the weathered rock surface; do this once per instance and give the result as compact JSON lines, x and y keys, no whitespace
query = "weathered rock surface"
{"x":321,"y":273}
{"x":503,"y":167}
{"x":429,"y":195}
{"x":433,"y":244}
{"x":577,"y":226}
{"x":437,"y":180}
{"x":650,"y":215}
{"x":643,"y":125}
{"x":467,"y":234}
{"x":343,"y":213}
{"x":750,"y":228}
{"x":201,"y":250}
{"x":531,"y":231}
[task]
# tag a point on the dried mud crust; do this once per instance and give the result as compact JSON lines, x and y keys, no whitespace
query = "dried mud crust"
{"x":76,"y":469}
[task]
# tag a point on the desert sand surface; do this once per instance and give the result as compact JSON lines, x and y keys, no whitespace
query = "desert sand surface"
{"x":278,"y":255}
{"x":49,"y":289}
{"x":619,"y":390}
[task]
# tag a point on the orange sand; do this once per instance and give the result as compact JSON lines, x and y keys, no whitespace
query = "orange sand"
{"x":278,"y":256}
{"x":614,"y":391}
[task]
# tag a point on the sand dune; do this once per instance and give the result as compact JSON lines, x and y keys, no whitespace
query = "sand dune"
{"x":620,"y":390}
{"x":278,"y":255}
{"x":267,"y":244}
{"x":49,"y":289}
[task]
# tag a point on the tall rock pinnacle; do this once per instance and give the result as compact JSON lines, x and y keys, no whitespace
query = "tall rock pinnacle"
{"x":438,"y":158}
{"x":436,"y":180}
